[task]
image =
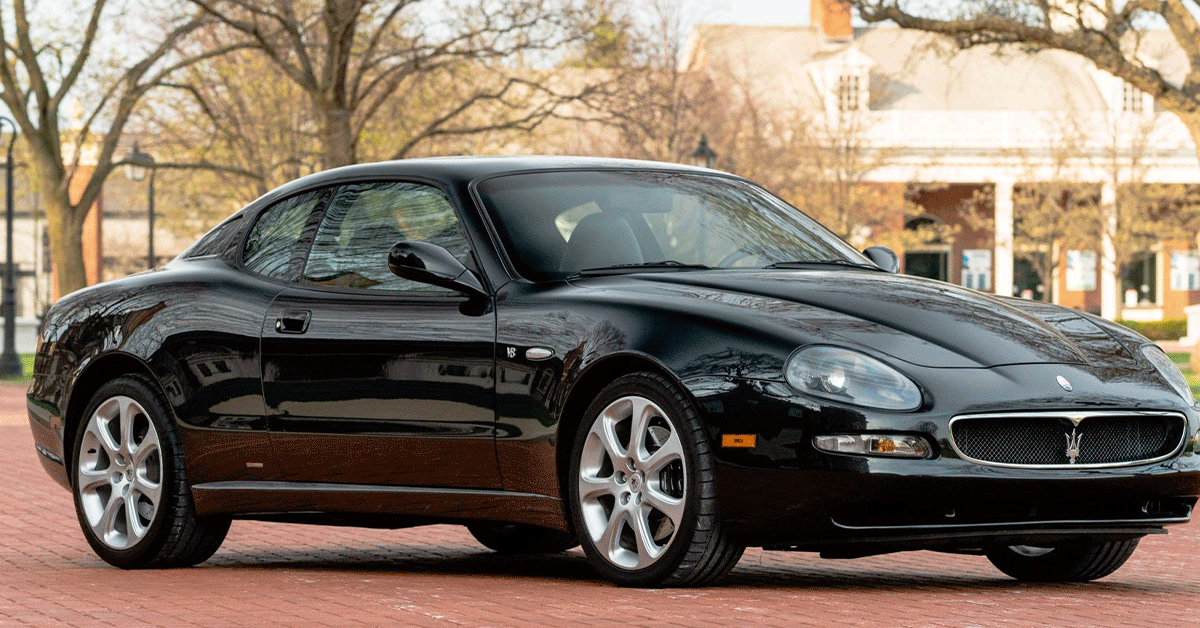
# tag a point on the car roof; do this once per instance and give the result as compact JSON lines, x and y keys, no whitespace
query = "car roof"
{"x":461,"y":170}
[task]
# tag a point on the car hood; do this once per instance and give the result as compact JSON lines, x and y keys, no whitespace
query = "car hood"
{"x":923,"y":322}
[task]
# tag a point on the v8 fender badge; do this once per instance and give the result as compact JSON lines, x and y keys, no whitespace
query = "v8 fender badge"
{"x":1065,"y":383}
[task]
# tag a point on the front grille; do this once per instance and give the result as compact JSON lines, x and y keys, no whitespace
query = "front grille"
{"x":1048,"y":440}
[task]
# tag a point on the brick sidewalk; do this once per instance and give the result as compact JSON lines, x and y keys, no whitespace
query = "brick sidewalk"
{"x":291,"y":575}
{"x":12,"y":404}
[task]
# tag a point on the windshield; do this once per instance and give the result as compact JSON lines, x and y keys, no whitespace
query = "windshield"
{"x":558,"y":224}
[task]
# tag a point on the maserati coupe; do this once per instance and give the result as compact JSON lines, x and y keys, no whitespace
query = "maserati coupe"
{"x":660,"y":363}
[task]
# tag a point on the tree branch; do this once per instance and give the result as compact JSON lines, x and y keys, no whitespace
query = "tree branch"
{"x":201,"y":165}
{"x":85,"y":50}
{"x":991,"y":29}
{"x":1183,"y":25}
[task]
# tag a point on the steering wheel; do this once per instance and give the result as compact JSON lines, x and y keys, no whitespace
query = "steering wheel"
{"x":737,"y":256}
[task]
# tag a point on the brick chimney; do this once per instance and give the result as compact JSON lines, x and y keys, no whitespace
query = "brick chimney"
{"x":833,"y":17}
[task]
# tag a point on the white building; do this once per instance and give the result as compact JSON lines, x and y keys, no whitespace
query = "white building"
{"x":982,"y":119}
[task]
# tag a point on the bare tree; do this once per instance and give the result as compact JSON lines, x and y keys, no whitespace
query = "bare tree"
{"x":833,"y":184}
{"x":352,"y":57}
{"x":1130,"y":223}
{"x":241,"y":111}
{"x":1049,"y":218}
{"x":41,"y":69}
{"x":1058,"y":212}
{"x":647,"y":106}
{"x":1103,"y":31}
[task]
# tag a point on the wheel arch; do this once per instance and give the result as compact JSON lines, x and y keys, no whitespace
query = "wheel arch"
{"x":589,"y":384}
{"x":98,"y":372}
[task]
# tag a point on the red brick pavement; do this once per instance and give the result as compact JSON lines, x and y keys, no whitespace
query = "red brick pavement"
{"x":292,"y":575}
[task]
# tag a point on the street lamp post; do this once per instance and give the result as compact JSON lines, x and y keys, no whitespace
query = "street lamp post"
{"x":10,"y":362}
{"x":137,"y":164}
{"x":704,"y":154}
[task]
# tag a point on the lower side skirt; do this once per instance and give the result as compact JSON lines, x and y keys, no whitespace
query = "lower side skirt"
{"x":391,"y":506}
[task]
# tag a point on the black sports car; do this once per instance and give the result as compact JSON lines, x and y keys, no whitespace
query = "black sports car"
{"x":664,"y":364}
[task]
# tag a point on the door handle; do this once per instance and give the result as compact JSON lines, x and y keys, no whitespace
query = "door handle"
{"x":293,"y":322}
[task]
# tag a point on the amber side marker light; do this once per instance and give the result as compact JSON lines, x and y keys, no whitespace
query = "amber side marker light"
{"x":738,"y":440}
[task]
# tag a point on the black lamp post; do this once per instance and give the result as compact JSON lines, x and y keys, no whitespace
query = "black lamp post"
{"x":704,"y":154}
{"x":137,"y":164}
{"x":10,"y":362}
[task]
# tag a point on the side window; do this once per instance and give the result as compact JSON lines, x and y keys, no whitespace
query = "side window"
{"x":273,"y":240}
{"x":362,"y":223}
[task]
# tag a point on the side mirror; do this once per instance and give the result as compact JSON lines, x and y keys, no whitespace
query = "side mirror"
{"x":429,"y":263}
{"x":884,"y":258}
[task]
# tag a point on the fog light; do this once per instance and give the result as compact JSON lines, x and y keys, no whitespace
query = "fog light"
{"x":892,"y":445}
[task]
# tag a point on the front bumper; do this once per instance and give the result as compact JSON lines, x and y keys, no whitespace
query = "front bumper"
{"x":784,"y":493}
{"x":876,"y":507}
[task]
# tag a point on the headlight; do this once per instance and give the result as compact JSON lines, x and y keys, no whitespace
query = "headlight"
{"x":893,"y":445}
{"x":851,"y":377}
{"x":1169,"y":372}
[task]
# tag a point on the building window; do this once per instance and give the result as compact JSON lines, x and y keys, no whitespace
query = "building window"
{"x":1027,"y":276}
{"x":977,"y":269}
{"x":1139,"y":281}
{"x":1185,"y":270}
{"x":1081,"y":271}
{"x":848,"y":92}
{"x":1131,"y":99}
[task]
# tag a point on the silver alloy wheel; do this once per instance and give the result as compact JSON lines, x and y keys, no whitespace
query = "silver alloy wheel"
{"x":120,"y":472}
{"x":632,"y":482}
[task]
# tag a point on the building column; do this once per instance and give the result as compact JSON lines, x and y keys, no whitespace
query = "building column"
{"x":1110,"y":297}
{"x":1003,"y":266}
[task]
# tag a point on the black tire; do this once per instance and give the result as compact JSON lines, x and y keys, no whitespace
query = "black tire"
{"x":131,"y":492}
{"x":1074,"y":562}
{"x":513,"y":538}
{"x":648,"y":518}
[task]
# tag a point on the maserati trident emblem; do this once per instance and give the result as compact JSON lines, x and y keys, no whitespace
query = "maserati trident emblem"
{"x":1073,"y":440}
{"x":1065,"y":383}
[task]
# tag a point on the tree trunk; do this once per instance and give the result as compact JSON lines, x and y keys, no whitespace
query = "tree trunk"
{"x":339,"y":144}
{"x":65,"y":226}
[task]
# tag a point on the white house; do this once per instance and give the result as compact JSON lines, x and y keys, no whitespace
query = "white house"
{"x":982,"y":119}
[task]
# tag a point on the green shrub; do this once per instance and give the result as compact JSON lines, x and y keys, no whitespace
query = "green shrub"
{"x":1166,"y":329}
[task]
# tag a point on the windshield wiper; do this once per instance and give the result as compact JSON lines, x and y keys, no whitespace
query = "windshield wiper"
{"x":667,"y":264}
{"x":822,"y":262}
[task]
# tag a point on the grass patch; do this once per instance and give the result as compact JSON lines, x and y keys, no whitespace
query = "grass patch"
{"x":1180,"y":358}
{"x":26,"y":370}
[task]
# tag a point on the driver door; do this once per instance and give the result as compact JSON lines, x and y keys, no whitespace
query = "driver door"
{"x":373,"y":379}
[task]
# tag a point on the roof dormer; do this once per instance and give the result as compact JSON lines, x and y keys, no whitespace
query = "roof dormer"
{"x":843,"y":78}
{"x":1121,"y":96}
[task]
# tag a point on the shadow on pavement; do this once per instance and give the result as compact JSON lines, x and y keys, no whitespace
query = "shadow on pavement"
{"x":573,"y":567}
{"x":562,"y":566}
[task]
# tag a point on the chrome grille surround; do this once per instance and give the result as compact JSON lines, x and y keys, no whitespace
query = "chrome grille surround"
{"x":1064,"y":423}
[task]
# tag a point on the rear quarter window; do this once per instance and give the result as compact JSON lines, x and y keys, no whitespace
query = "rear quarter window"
{"x":220,"y":242}
{"x":274,"y":242}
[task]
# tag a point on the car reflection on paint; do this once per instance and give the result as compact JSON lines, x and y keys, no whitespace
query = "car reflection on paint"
{"x":660,"y":363}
